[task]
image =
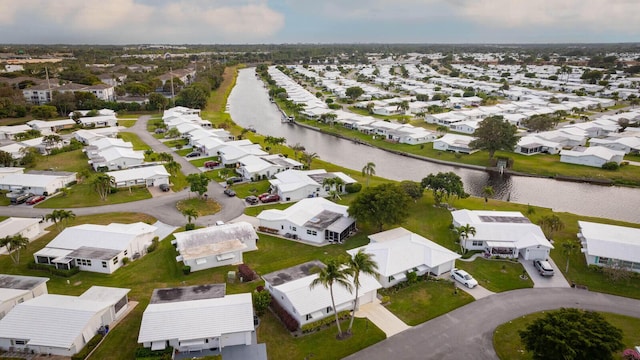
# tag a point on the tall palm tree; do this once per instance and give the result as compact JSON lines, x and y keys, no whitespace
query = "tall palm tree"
{"x":14,"y":244}
{"x":308,"y":158}
{"x":173,"y":167}
{"x":463,"y":232}
{"x":190,"y":213}
{"x":53,"y":216}
{"x":487,"y":192}
{"x":360,"y":263}
{"x":101,"y":183}
{"x":567,"y":249}
{"x":297,"y":147}
{"x":369,"y":170}
{"x":333,"y":274}
{"x":551,"y":223}
{"x":65,"y":215}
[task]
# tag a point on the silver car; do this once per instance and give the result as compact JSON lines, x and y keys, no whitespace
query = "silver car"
{"x":543,"y":267}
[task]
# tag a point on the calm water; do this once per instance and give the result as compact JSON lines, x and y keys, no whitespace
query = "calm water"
{"x":249,"y":106}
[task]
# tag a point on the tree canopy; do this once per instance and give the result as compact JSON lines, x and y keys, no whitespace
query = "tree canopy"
{"x":493,"y":134}
{"x":539,"y":123}
{"x":198,"y":183}
{"x":569,"y":334}
{"x":386,"y":204}
{"x":444,"y":186}
{"x":354,"y":92}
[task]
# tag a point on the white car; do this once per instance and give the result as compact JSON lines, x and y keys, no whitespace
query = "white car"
{"x":464,"y":278}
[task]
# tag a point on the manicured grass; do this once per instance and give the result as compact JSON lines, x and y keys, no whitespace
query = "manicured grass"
{"x":184,"y":152}
{"x":203,"y":207}
{"x":508,"y":345}
{"x":137,"y":143}
{"x":425,"y":300}
{"x":320,"y":345}
{"x":253,"y":188}
{"x":178,"y":181}
{"x":176,"y":142}
{"x":127,"y":123}
{"x":73,"y":161}
{"x":200,"y":162}
{"x":496,"y":275}
{"x":82,"y":195}
{"x":255,"y":210}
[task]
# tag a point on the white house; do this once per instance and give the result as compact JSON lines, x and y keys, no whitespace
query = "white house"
{"x":215,"y":246}
{"x":253,"y":167}
{"x":610,"y":245}
{"x":294,"y":185}
{"x":116,"y":158}
{"x":155,"y":175}
{"x":290,"y":288}
{"x":27,"y":227}
{"x":531,"y":144}
{"x":4,"y":171}
{"x":96,"y":248}
{"x":9,"y":132}
{"x":53,"y":126}
{"x":315,"y":220}
{"x":399,"y":251}
{"x":628,"y":144}
{"x":197,"y":318}
{"x":87,"y":136}
{"x":455,"y":143}
{"x":466,"y":127}
{"x":99,"y":121}
{"x":64,"y":323}
{"x":38,"y":183}
{"x":595,"y":156}
{"x":506,"y":234}
{"x":16,"y":289}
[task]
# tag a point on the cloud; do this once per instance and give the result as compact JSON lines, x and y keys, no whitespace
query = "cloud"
{"x":129,"y":21}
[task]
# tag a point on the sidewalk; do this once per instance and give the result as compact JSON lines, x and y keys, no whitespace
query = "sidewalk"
{"x":382,"y":318}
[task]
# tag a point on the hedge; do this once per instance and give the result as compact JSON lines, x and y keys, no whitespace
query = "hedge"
{"x":289,"y":321}
{"x":353,"y":188}
{"x":317,"y":325}
{"x":88,"y":348}
{"x":52,"y":270}
{"x":143,"y":353}
{"x":246,"y":274}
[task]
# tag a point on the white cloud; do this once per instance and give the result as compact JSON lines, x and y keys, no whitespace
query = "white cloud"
{"x":109,"y":21}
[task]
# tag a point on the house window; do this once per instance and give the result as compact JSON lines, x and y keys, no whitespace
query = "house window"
{"x":83,"y":262}
{"x":603,"y":260}
{"x":476,"y":243}
{"x":312,"y":232}
{"x":19,"y":342}
{"x":390,"y":279}
{"x":104,"y":264}
{"x":294,"y":228}
{"x":308,"y":317}
{"x":329,"y":309}
{"x":115,"y":260}
{"x":125,"y":252}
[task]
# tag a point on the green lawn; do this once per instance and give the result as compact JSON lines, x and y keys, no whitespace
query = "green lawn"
{"x":255,"y":210}
{"x":252,"y":188}
{"x":508,"y":346}
{"x":73,"y":161}
{"x":176,"y":142}
{"x":200,"y":162}
{"x":203,"y":207}
{"x":82,"y":195}
{"x":425,"y":300}
{"x":127,"y":123}
{"x":184,"y":152}
{"x":137,"y":143}
{"x":496,"y":275}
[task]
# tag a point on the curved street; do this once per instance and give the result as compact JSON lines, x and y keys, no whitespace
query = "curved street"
{"x":162,"y":207}
{"x":467,"y":332}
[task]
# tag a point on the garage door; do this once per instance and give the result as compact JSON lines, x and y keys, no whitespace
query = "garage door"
{"x":536,"y":254}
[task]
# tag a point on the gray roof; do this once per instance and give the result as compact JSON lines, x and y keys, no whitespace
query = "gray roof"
{"x":322,"y":220}
{"x":19,"y":282}
{"x":48,"y":172}
{"x":187,"y":293}
{"x":503,"y":219}
{"x":293,"y":273}
{"x":86,"y":252}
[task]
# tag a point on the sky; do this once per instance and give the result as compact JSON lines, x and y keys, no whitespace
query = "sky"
{"x":317,"y":21}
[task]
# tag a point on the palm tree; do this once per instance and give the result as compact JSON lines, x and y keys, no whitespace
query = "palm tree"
{"x":329,"y":118}
{"x":487,"y":192}
{"x":567,"y":249}
{"x":360,"y":263}
{"x":369,"y":170}
{"x":463,"y":232}
{"x":53,"y":216}
{"x":551,"y":223}
{"x":14,"y":244}
{"x":297,"y":147}
{"x":308,"y":158}
{"x":64,"y":216}
{"x":173,"y":167}
{"x":165,"y":157}
{"x":333,"y":274}
{"x":102,"y":184}
{"x":190,"y":213}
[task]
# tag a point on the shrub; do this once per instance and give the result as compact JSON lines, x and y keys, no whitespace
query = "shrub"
{"x":261,"y":301}
{"x":148,"y":354}
{"x":125,"y":260}
{"x":186,"y":269}
{"x":52,"y":270}
{"x":610,"y":166}
{"x":88,"y":348}
{"x":353,"y":188}
{"x":189,"y":226}
{"x":317,"y":325}
{"x":246,"y":274}
{"x":412,"y":277}
{"x":289,"y":321}
{"x":153,"y":246}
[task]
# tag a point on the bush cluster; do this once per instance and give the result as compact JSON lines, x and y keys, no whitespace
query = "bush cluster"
{"x":148,"y":354}
{"x":317,"y":325}
{"x":52,"y":270}
{"x":246,"y":274}
{"x":289,"y":321}
{"x":353,"y":188}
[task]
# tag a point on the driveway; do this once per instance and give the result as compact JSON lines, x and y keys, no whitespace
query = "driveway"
{"x":467,"y":332}
{"x":539,"y":281}
{"x":382,"y":318}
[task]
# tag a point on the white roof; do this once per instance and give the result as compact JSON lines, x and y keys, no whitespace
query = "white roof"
{"x":303,"y":211}
{"x":398,"y":250}
{"x":14,"y":225}
{"x":216,"y":240}
{"x":31,"y":180}
{"x":456,"y":140}
{"x":51,"y":320}
{"x":597,"y":151}
{"x":114,"y":153}
{"x":197,"y":319}
{"x":611,"y":241}
{"x":291,"y":180}
{"x":104,"y":143}
{"x":146,"y":172}
{"x":113,"y":236}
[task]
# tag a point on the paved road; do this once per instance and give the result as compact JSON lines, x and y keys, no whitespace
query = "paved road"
{"x":467,"y":332}
{"x":163,"y":207}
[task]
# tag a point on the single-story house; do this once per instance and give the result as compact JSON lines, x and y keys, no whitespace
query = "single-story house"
{"x":531,"y":144}
{"x":466,"y":127}
{"x":595,"y":156}
{"x":38,"y":183}
{"x":627,"y":144}
{"x":96,"y":248}
{"x":88,"y":136}
{"x":290,"y":288}
{"x":610,"y":245}
{"x":232,"y":154}
{"x":53,"y":126}
{"x":399,"y":251}
{"x":209,"y":146}
{"x":155,"y":175}
{"x":315,"y":220}
{"x":258,"y":167}
{"x":197,"y":318}
{"x":30,"y":228}
{"x":16,"y":150}
{"x":61,"y":324}
{"x":99,"y":121}
{"x":507,"y":234}
{"x":10,"y":131}
{"x":116,"y":158}
{"x":4,"y":171}
{"x":16,"y":289}
{"x":215,"y":246}
{"x":455,"y":143}
{"x":294,"y":185}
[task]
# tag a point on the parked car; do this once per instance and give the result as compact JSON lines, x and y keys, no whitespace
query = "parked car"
{"x":270,"y":198}
{"x":234,"y":180}
{"x":19,"y":198}
{"x":464,"y":278}
{"x":251,"y":199}
{"x":35,"y":199}
{"x":164,"y":187}
{"x":219,"y":222}
{"x":543,"y":267}
{"x":160,"y":131}
{"x":229,"y":192}
{"x":263,"y":195}
{"x":193,"y":154}
{"x":211,"y":164}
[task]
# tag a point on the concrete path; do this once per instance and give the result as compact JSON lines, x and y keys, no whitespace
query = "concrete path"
{"x":164,"y":230}
{"x":467,"y":332}
{"x":477,"y":292}
{"x":539,"y":281}
{"x":382,"y":318}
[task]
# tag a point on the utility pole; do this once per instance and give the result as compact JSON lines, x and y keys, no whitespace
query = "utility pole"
{"x":173,"y":102}
{"x":46,"y":71}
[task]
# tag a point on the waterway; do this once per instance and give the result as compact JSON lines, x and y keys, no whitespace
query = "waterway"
{"x":249,"y":106}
